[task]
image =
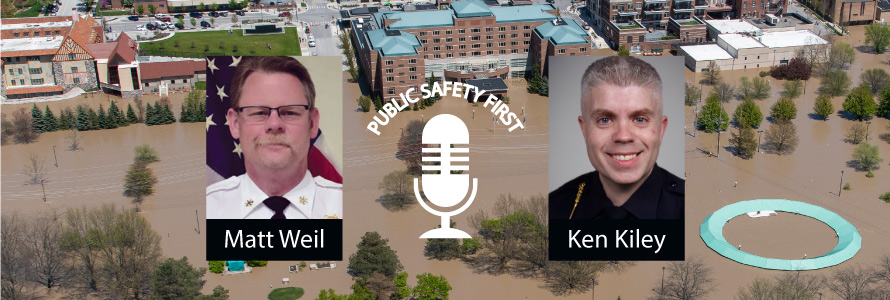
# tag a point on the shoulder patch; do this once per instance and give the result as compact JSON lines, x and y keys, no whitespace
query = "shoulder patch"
{"x":327,"y":184}
{"x":228,"y":184}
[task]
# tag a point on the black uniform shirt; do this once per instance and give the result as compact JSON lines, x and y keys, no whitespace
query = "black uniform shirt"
{"x":660,"y":197}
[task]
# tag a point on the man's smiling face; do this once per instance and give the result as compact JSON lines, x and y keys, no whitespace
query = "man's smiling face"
{"x":623,"y":128}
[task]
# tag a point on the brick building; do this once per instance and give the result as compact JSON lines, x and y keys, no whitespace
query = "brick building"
{"x":398,"y":50}
{"x":174,"y":74}
{"x":853,"y":12}
{"x":37,"y":63}
{"x":654,"y":25}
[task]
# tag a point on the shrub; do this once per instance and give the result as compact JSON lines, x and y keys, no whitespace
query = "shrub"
{"x":257,"y":263}
{"x":797,"y":68}
{"x":216,"y":266}
{"x":847,"y":186}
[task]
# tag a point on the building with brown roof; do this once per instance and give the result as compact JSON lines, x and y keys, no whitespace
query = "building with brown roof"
{"x":48,"y":64}
{"x":174,"y":74}
{"x":117,"y":69}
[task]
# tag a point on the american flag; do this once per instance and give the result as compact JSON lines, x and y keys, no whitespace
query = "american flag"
{"x":223,"y":152}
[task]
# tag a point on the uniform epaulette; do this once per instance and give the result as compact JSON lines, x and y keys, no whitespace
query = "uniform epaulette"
{"x":228,"y":184}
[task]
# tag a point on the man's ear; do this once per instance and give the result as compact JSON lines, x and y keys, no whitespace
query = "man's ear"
{"x":313,"y":130}
{"x":232,"y":119}
{"x":583,"y":130}
{"x":664,"y":126}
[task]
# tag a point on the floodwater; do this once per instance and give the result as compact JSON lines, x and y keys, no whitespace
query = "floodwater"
{"x":506,"y":162}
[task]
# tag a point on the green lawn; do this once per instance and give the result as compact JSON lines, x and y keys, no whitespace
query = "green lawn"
{"x":109,"y":13}
{"x":288,"y":293}
{"x":285,"y":44}
{"x":628,"y":26}
{"x":693,"y":22}
{"x":31,"y":12}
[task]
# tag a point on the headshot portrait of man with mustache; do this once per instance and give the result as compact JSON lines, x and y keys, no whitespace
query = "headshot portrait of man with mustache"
{"x":622,"y":123}
{"x":273,"y":115}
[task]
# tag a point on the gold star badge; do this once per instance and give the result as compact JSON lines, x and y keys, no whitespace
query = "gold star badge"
{"x":249,"y":203}
{"x":303,"y":200}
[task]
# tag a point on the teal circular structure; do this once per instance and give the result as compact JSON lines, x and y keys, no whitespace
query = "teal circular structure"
{"x":848,"y":239}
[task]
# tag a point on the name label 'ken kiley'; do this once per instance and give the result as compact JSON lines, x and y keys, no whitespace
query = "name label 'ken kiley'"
{"x":624,"y":239}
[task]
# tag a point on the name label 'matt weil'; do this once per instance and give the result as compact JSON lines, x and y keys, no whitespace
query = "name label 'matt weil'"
{"x":288,"y":239}
{"x":284,"y":239}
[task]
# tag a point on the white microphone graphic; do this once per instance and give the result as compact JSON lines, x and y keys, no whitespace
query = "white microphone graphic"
{"x":445,"y":189}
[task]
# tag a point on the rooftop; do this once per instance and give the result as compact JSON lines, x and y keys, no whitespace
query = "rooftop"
{"x":791,"y":38}
{"x":470,"y":8}
{"x":158,"y":70}
{"x":562,"y":32}
{"x":416,"y":19}
{"x":393,"y":42}
{"x":706,"y":52}
{"x":524,"y":13}
{"x":35,"y":20}
{"x":41,"y":45}
{"x":36,"y":25}
{"x":787,"y":20}
{"x":732,"y":26}
{"x":739,"y":41}
{"x":884,"y":5}
{"x":489,"y":84}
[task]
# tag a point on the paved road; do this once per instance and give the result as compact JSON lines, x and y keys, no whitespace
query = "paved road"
{"x":819,"y":27}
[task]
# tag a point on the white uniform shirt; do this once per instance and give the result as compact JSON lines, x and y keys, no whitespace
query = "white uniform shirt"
{"x":240,"y":198}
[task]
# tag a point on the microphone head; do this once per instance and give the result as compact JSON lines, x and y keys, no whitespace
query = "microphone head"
{"x":445,"y":129}
{"x":445,"y":190}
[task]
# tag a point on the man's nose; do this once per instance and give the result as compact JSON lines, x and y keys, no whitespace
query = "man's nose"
{"x":274,"y":122}
{"x":623,"y":132}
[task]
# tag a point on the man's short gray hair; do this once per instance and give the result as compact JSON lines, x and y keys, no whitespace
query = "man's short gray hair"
{"x":622,"y":71}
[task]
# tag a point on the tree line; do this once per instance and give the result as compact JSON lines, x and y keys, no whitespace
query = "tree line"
{"x":103,"y":252}
{"x":25,"y":128}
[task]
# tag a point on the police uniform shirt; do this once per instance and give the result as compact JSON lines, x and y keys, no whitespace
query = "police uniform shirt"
{"x":660,"y":197}
{"x":240,"y":198}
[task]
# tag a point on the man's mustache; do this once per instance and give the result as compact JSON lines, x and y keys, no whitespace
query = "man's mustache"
{"x":273,"y":140}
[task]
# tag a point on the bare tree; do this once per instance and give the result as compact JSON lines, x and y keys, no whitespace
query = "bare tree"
{"x":74,"y":140}
{"x":856,"y":133}
{"x":570,"y":277}
{"x":781,"y":137}
{"x":712,"y":74}
{"x":883,"y":269}
{"x":689,"y":280}
{"x":789,"y":285}
{"x":410,"y":145}
{"x":36,"y":173}
{"x":853,"y":282}
{"x":21,"y":124}
{"x":50,"y":258}
{"x":140,"y":108}
{"x":724,"y":91}
{"x":398,"y":191}
{"x":16,"y":262}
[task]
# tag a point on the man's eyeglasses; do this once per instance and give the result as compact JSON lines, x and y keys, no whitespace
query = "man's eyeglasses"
{"x":287,"y":113}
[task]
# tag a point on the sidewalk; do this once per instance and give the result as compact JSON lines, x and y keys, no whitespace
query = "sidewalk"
{"x":75,"y":92}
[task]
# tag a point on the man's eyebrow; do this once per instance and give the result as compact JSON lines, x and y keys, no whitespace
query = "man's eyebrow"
{"x":602,"y":112}
{"x":643,"y":112}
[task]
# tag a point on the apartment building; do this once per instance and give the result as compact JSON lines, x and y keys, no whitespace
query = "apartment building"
{"x":399,"y":50}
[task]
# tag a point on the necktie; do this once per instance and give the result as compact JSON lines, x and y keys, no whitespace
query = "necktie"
{"x":277,"y":204}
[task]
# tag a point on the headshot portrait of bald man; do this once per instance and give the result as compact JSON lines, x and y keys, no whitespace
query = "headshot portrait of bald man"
{"x":621,"y":110}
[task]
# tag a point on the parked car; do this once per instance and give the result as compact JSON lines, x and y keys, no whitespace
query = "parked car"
{"x":239,"y":12}
{"x":150,"y":26}
{"x":283,"y":14}
{"x":214,"y":14}
{"x":133,"y":18}
{"x":271,"y":3}
{"x":311,"y":43}
{"x":205,"y":24}
{"x":179,"y":26}
{"x":311,"y":38}
{"x":140,"y":28}
{"x":196,"y":15}
{"x":163,"y":19}
{"x":223,"y":13}
{"x":586,"y":27}
{"x":279,"y":2}
{"x":179,"y":16}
